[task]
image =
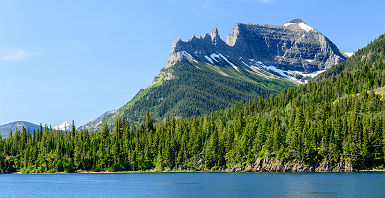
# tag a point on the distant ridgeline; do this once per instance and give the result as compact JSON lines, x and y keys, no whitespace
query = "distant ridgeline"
{"x":6,"y":128}
{"x":206,"y":74}
{"x":334,"y":123}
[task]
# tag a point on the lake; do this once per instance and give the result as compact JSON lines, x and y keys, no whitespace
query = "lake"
{"x":367,"y":184}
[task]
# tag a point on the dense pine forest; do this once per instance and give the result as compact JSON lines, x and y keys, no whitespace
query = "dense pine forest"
{"x":337,"y":117}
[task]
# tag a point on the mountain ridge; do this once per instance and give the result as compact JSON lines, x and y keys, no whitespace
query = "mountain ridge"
{"x":266,"y":56}
{"x":12,"y":126}
{"x":269,"y":44}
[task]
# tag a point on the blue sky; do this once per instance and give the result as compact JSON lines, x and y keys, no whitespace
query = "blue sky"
{"x":73,"y":60}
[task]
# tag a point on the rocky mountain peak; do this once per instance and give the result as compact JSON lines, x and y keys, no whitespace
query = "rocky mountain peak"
{"x":298,"y":25}
{"x":232,"y":37}
{"x":193,"y":37}
{"x":65,"y":126}
{"x":207,"y":37}
{"x":175,"y":44}
{"x":294,"y":46}
{"x":297,"y":20}
{"x":214,"y":35}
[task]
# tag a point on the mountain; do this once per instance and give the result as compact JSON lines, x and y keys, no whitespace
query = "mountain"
{"x":293,"y":46}
{"x":207,"y":73}
{"x":349,"y":54}
{"x":6,"y":128}
{"x":64,"y":126}
{"x":98,"y":121}
{"x":336,"y":122}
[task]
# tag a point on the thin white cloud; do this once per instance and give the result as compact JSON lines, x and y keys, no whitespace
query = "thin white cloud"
{"x":12,"y":55}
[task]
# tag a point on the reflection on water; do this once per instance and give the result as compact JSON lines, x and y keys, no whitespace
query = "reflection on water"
{"x":195,"y":185}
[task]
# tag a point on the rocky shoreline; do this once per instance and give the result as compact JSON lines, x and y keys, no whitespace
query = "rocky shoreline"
{"x":206,"y":171}
{"x":261,"y":165}
{"x":275,"y":165}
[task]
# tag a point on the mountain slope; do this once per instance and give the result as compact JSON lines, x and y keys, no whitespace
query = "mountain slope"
{"x":194,"y":91}
{"x":6,"y":128}
{"x":334,"y":123}
{"x":206,"y":74}
{"x":370,"y":56}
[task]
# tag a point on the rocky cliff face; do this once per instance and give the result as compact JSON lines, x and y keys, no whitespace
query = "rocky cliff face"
{"x":254,"y":60}
{"x":293,"y":46}
{"x":98,"y":121}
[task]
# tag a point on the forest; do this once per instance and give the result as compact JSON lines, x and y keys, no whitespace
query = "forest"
{"x":193,"y":92}
{"x":338,"y":116}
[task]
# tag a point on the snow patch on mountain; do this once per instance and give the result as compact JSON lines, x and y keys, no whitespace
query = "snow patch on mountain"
{"x":188,"y":54}
{"x":305,"y":27}
{"x":227,"y":60}
{"x":245,"y":63}
{"x":302,"y":25}
{"x":236,"y":68}
{"x":288,"y":24}
{"x":209,"y":59}
{"x":214,"y":57}
{"x":289,"y":74}
{"x":219,"y":58}
{"x":62,"y":127}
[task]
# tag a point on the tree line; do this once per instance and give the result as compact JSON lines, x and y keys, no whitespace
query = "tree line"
{"x":338,"y":116}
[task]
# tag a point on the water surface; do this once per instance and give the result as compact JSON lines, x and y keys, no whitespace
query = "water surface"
{"x":369,"y":184}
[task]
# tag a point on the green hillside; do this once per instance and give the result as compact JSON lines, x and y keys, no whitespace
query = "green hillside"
{"x":198,"y":89}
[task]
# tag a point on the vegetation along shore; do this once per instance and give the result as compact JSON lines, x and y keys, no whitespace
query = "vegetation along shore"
{"x":336,"y":122}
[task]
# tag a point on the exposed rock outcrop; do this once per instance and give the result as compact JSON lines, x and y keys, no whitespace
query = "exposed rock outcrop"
{"x":293,"y":46}
{"x":98,"y":121}
{"x":274,"y":165}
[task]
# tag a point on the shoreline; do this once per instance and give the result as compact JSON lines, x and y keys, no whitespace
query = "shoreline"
{"x":190,"y":171}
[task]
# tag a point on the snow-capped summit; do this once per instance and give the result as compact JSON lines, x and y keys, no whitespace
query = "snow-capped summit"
{"x":300,"y":23}
{"x":62,"y":127}
{"x":349,"y":54}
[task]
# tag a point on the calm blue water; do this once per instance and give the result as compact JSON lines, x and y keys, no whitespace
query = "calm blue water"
{"x":194,"y":185}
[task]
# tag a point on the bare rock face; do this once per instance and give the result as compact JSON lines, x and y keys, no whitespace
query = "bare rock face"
{"x":275,"y":165}
{"x":98,"y":121}
{"x":292,"y":46}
